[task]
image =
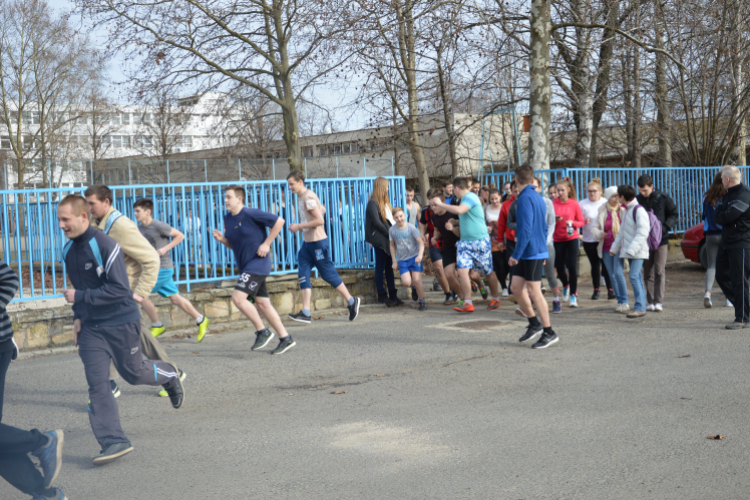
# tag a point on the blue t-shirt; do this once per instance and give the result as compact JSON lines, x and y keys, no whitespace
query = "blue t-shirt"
{"x":473,"y":225}
{"x":247,"y":231}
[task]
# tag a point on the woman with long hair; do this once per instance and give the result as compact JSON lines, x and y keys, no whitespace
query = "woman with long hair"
{"x":569,"y":220}
{"x":590,"y":207}
{"x":491,"y":215}
{"x":712,"y":231}
{"x":605,"y":230}
{"x":378,"y":220}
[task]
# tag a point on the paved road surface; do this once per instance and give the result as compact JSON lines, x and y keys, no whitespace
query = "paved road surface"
{"x":437,"y":406}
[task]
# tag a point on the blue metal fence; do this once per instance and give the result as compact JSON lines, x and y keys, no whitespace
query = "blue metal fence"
{"x":686,"y":185}
{"x":32,"y":242}
{"x":547,"y":177}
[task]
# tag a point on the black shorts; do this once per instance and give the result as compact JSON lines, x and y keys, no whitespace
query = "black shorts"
{"x":435,"y":254}
{"x":450,"y":256}
{"x":254,"y":285}
{"x":529,"y":270}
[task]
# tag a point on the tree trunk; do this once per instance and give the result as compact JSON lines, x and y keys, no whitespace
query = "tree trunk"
{"x":637,"y":142}
{"x":739,"y":91}
{"x":540,"y":90}
{"x":450,"y":132}
{"x":582,"y":81}
{"x":627,"y":106}
{"x":603,"y":80}
{"x":291,"y":134}
{"x":396,"y":165}
{"x":663,"y":117}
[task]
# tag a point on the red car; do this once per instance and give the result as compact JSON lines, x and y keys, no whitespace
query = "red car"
{"x":694,"y":245}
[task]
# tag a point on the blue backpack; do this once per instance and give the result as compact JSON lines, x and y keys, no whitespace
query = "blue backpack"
{"x":654,"y":234}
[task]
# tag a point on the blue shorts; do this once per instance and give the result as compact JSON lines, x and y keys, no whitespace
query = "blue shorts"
{"x":405,"y":266}
{"x":165,"y":285}
{"x":476,"y":254}
{"x":315,"y":254}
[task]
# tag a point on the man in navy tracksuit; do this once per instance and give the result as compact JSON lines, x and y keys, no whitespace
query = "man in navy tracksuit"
{"x":107,"y":325}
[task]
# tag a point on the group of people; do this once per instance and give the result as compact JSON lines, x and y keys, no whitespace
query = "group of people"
{"x":114,"y":265}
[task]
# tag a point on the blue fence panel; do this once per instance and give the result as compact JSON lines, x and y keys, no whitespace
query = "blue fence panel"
{"x":547,"y":177}
{"x":32,"y":242}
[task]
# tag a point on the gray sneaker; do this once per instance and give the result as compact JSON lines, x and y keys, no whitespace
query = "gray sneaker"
{"x":262,"y":338}
{"x":284,"y":345}
{"x":112,"y":453}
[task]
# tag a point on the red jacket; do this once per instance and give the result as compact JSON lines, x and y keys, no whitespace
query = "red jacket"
{"x":570,"y":210}
{"x":502,"y":220}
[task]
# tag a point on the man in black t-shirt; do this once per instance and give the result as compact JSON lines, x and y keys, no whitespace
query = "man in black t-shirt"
{"x":447,"y":238}
{"x":427,"y":229}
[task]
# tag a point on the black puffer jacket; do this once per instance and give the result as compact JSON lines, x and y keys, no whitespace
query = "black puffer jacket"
{"x":733,"y":214}
{"x":376,"y":231}
{"x":665,"y":210}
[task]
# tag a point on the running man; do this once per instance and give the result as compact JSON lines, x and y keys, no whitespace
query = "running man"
{"x":245,"y":234}
{"x":528,"y":258}
{"x":141,"y":262}
{"x":158,"y":233}
{"x":107,"y":326}
{"x":474,"y":248}
{"x":314,"y":251}
{"x":16,"y":444}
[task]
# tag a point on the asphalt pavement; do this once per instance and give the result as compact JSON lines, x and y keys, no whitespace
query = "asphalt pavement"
{"x":433,"y":405}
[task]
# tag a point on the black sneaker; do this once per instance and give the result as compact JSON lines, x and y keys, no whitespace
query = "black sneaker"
{"x":422,"y":306}
{"x":611,"y":294}
{"x":112,"y":453}
{"x":531,"y":332}
{"x":353,"y":309}
{"x":176,"y":393}
{"x":736,"y":326}
{"x":596,"y":295}
{"x":262,"y":338}
{"x":115,"y":389}
{"x":301,"y":317}
{"x":414,"y":295}
{"x":284,"y":345}
{"x":546,"y":340}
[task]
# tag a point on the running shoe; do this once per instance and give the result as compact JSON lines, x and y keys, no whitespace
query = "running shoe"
{"x":637,"y":314}
{"x":459,"y":302}
{"x":546,"y":340}
{"x":115,"y":389}
{"x":736,"y":326}
{"x":262,"y":338}
{"x":422,"y":306}
{"x":651,"y":307}
{"x":158,"y":330}
{"x":513,"y":299}
{"x":566,"y":294}
{"x":531,"y":333}
{"x":435,"y":285}
{"x":176,"y":393}
{"x":658,"y":308}
{"x":414,"y":295}
{"x":301,"y":317}
{"x":505,"y":292}
{"x":354,"y":309}
{"x":284,"y":345}
{"x":623,"y":308}
{"x":728,"y":304}
{"x":112,"y":453}
{"x":544,"y":290}
{"x":573,"y":301}
{"x":202,"y":328}
{"x":483,"y":292}
{"x":163,"y":393}
{"x":596,"y":295}
{"x":611,"y":294}
{"x":494,"y":304}
{"x":473,"y":287}
{"x":520,"y":312}
{"x":50,"y":456}
{"x":556,"y":307}
{"x":450,"y":299}
{"x":58,"y":495}
{"x":465,"y":308}
{"x":707,"y":301}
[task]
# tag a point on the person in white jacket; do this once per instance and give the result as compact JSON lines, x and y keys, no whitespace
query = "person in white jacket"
{"x":631,"y":243}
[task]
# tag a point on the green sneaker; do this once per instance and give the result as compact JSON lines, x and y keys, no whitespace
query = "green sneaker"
{"x":158,"y":330}
{"x":460,"y":303}
{"x":163,"y":393}
{"x":262,"y":338}
{"x":202,"y":328}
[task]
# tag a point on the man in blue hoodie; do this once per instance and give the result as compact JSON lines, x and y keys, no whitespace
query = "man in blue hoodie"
{"x":529,"y":257}
{"x":106,"y":325}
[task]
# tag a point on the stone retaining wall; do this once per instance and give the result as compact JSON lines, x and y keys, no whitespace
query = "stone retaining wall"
{"x":49,"y":323}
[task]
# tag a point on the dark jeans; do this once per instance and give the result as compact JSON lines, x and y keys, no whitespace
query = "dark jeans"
{"x":15,"y":444}
{"x":598,"y":269}
{"x":383,"y":265}
{"x":732,"y":272}
{"x":566,"y":262}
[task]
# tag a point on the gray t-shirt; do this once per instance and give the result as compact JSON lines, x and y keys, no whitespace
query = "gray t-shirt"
{"x":407,"y":241}
{"x":157,"y":233}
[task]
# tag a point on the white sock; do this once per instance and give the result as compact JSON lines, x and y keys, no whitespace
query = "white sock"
{"x":156,"y":325}
{"x":199,"y":319}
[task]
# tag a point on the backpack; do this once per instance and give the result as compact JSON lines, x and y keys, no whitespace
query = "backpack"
{"x":654,"y":234}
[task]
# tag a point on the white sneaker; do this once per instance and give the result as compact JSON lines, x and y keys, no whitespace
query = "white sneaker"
{"x":520,"y":312}
{"x":658,"y":308}
{"x":651,"y":307}
{"x":729,"y":304}
{"x":573,"y":301}
{"x":624,"y":308}
{"x":505,"y":292}
{"x":707,"y":301}
{"x":566,"y":294}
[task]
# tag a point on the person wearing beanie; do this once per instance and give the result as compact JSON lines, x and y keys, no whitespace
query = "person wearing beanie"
{"x":605,"y":229}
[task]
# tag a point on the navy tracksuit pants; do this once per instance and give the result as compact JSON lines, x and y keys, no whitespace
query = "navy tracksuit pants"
{"x":15,"y":445}
{"x":97,"y":345}
{"x":732,"y":273}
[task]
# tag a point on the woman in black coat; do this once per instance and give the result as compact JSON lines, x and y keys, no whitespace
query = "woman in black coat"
{"x":378,"y":220}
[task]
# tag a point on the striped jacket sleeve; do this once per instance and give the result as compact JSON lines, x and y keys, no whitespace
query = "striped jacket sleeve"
{"x":8,"y":284}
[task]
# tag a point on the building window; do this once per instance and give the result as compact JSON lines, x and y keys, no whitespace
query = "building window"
{"x":322,"y":151}
{"x":31,"y":117}
{"x":307,"y":152}
{"x":120,"y":141}
{"x":142,"y":141}
{"x":5,"y":142}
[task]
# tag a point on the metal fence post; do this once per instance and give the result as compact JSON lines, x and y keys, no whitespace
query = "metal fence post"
{"x":364,"y":164}
{"x":205,"y":169}
{"x":305,"y":161}
{"x":91,"y":169}
{"x":130,"y":174}
{"x":393,"y":172}
{"x":168,"y":181}
{"x":239,"y":169}
{"x":273,"y":165}
{"x":337,"y":167}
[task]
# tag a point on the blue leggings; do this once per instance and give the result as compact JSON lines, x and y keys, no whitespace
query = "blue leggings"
{"x":315,"y":254}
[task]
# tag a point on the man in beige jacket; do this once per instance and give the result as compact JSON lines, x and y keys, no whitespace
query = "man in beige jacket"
{"x":141,"y":261}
